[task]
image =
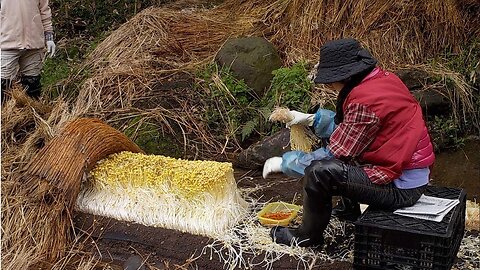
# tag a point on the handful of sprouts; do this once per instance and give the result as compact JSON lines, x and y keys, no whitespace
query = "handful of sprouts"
{"x":198,"y":197}
{"x":299,"y":139}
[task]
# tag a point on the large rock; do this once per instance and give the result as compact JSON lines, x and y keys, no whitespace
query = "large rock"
{"x":271,"y":146}
{"x":414,"y":79}
{"x":252,"y":59}
{"x":432,"y":101}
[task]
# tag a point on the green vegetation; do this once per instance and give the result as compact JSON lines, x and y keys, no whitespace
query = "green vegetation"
{"x":89,"y":18}
{"x":54,"y":71}
{"x":233,"y":104}
{"x":466,"y":61}
{"x":291,"y":87}
{"x":445,"y":133}
{"x":148,"y":136}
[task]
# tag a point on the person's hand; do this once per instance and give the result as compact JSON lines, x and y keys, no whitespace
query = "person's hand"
{"x":51,"y":47}
{"x":301,"y":119}
{"x":272,"y":165}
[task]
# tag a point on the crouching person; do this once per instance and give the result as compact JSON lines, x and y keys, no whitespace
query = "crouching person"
{"x":379,"y":149}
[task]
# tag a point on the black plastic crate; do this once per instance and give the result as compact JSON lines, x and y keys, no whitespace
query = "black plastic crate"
{"x":384,"y":240}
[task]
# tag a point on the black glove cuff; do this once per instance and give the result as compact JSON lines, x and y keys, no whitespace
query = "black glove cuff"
{"x":49,"y":36}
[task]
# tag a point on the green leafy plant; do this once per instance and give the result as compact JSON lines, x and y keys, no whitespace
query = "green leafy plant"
{"x":148,"y":136}
{"x":232,"y":104}
{"x":235,"y":106}
{"x":445,"y":133}
{"x":291,"y":87}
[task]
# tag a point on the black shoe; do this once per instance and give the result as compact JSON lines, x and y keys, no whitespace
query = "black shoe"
{"x":293,"y":237}
{"x":347,"y":210}
{"x":32,"y":86}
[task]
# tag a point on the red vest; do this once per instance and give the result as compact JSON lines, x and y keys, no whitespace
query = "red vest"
{"x":402,"y":141}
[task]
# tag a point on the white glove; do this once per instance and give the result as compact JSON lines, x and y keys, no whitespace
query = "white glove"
{"x":301,"y":119}
{"x":51,"y":47}
{"x":272,"y":165}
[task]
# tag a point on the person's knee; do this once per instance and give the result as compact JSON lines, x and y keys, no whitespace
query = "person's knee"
{"x":321,"y":176}
{"x":324,"y":168}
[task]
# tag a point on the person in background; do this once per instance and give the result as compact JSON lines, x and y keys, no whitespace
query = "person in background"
{"x":26,"y":29}
{"x":379,"y":149}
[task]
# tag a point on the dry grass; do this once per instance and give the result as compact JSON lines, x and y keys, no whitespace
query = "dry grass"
{"x":472,"y":216}
{"x":161,"y":42}
{"x":453,"y":86}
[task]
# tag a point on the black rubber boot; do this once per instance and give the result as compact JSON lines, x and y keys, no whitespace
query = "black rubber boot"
{"x":6,"y":85}
{"x":32,"y":85}
{"x":347,"y":209}
{"x":310,"y":233}
{"x":317,"y":208}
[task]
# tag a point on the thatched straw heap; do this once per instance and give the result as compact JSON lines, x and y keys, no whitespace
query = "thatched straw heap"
{"x":37,"y":201}
{"x":160,"y":42}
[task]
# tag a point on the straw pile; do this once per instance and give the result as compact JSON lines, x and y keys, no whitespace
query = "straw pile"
{"x":38,"y":200}
{"x":161,"y":42}
{"x":472,"y":216}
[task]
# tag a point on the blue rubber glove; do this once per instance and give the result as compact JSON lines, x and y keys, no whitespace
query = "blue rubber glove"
{"x":324,"y":123}
{"x":295,"y":162}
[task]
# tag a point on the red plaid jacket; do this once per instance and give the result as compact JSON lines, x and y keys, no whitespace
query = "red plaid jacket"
{"x":354,"y":134}
{"x":382,"y":129}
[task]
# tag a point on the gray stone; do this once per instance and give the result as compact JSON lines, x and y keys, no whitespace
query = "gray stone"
{"x":431,"y":99}
{"x":414,"y":79}
{"x":433,"y":102}
{"x":134,"y":262}
{"x":271,"y":146}
{"x":252,"y":59}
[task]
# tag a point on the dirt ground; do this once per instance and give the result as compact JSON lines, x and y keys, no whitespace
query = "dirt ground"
{"x":117,"y":241}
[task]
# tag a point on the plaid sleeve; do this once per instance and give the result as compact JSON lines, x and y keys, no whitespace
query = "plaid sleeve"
{"x":355,"y":133}
{"x":377,"y":176}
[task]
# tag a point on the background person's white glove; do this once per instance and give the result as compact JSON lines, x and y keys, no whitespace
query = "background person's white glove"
{"x":50,"y":43}
{"x":300,"y":118}
{"x":272,"y":165}
{"x":51,"y":47}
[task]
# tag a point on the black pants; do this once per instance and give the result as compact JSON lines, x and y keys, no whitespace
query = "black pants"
{"x":327,"y":178}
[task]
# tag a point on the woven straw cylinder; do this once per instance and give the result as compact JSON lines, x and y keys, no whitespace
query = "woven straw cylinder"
{"x":51,"y":180}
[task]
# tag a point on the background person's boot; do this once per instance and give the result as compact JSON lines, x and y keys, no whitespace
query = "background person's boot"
{"x":6,"y":85}
{"x":32,"y":86}
{"x":347,"y":209}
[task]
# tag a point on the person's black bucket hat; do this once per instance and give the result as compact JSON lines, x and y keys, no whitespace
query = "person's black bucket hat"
{"x":341,"y":59}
